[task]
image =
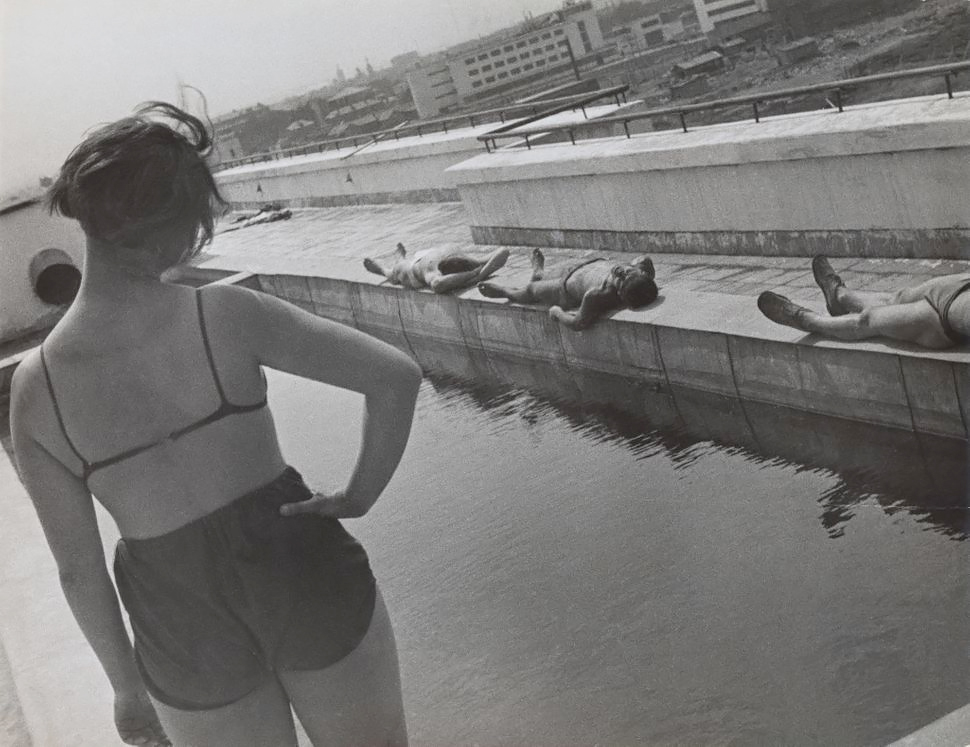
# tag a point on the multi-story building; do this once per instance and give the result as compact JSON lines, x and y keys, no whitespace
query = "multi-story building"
{"x":505,"y":58}
{"x":647,"y":32}
{"x":724,"y":18}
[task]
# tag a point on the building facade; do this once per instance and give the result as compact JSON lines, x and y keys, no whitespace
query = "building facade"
{"x":727,"y":17}
{"x":647,"y":32}
{"x":470,"y":70}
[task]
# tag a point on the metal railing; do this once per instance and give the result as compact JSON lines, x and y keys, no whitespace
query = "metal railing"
{"x":836,"y":89}
{"x":533,"y":110}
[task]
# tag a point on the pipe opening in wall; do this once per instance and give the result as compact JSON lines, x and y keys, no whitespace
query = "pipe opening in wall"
{"x":54,"y":277}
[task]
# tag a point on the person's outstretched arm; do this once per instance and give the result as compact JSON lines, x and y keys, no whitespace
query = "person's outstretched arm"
{"x":289,"y":339}
{"x":66,"y":512}
{"x":596,"y":303}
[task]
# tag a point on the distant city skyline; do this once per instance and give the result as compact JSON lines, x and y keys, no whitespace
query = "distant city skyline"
{"x":67,"y":66}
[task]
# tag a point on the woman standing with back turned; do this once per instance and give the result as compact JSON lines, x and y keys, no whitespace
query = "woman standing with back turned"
{"x":244,"y":592}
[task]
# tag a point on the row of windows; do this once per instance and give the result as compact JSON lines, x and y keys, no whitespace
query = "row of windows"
{"x":515,"y":71}
{"x":502,"y":63}
{"x":518,"y":45}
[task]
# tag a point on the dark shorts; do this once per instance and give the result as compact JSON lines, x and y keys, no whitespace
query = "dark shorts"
{"x":220,"y":604}
{"x":941,"y":296}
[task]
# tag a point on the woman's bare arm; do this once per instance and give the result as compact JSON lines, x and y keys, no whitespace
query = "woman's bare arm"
{"x":66,"y":512}
{"x":289,"y":339}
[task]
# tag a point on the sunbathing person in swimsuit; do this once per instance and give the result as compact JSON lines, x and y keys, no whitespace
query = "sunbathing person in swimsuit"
{"x":441,"y":270}
{"x":580,"y":294}
{"x":933,"y":314}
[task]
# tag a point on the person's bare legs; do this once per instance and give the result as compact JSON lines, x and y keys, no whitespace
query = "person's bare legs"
{"x":261,"y":718}
{"x":842,"y":300}
{"x":913,"y":321}
{"x":447,"y":282}
{"x":357,"y":701}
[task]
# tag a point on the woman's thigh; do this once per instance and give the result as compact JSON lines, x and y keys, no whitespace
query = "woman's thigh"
{"x":356,"y":701}
{"x":261,"y":718}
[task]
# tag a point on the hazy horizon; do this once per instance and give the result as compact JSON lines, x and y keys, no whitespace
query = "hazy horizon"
{"x":66,"y":67}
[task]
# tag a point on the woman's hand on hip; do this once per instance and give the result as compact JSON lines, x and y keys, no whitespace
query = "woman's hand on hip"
{"x":336,"y":505}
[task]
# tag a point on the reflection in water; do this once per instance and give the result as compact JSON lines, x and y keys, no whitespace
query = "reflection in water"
{"x":923,"y":475}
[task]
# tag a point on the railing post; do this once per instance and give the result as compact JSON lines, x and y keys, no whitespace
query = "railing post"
{"x":501,"y":116}
{"x":528,"y":145}
{"x":471,"y":121}
{"x":583,"y":109}
{"x":487,"y":149}
{"x":444,"y":126}
{"x":572,"y":136}
{"x":838,"y":99}
{"x":683,"y":121}
{"x":420,"y":134}
{"x":626,"y":127}
{"x":949,"y":85}
{"x":755,"y":105}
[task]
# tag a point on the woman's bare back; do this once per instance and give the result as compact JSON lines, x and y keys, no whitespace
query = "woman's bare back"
{"x":137,"y":400}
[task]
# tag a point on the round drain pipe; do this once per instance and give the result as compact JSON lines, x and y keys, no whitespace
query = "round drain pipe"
{"x":54,"y":277}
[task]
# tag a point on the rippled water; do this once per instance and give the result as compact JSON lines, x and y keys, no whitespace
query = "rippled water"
{"x":565,"y":574}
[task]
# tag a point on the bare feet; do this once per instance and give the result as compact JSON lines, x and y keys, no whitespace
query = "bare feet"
{"x":783,"y":311}
{"x":372,"y":266}
{"x":491,"y":290}
{"x":830,"y":283}
{"x":538,"y":264}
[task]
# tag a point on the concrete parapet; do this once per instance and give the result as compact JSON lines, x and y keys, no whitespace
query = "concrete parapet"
{"x":878,"y":180}
{"x":412,"y":169}
{"x":704,"y":342}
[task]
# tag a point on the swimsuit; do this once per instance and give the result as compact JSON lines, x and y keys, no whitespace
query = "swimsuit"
{"x":221,"y":603}
{"x":564,"y":290}
{"x":941,"y":296}
{"x":224,"y":409}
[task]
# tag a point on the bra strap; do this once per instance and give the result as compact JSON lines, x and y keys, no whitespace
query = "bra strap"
{"x":57,"y":410}
{"x":208,"y":348}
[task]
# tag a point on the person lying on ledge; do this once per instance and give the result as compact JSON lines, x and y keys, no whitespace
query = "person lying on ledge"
{"x":441,"y":270}
{"x":580,"y":294}
{"x":934,"y":314}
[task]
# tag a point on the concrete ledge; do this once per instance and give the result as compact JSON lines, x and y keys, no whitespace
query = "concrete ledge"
{"x":881,"y":179}
{"x":706,"y":342}
{"x":937,"y":243}
{"x":411,"y":169}
{"x":953,"y":730}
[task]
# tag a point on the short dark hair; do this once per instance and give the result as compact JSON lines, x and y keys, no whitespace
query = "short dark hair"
{"x":142,"y":182}
{"x":637,"y":290}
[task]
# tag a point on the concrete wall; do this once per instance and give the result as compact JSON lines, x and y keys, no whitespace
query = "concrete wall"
{"x":24,"y":233}
{"x":410,"y":170}
{"x":884,"y":179}
{"x":704,"y":342}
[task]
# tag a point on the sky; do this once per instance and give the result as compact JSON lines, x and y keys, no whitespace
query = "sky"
{"x":69,"y":65}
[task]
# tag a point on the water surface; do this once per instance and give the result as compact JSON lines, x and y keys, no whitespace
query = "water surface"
{"x":582,"y":574}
